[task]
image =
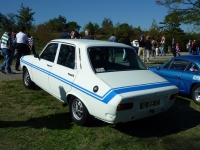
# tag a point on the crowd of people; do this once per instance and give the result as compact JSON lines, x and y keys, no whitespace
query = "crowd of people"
{"x":22,"y":43}
{"x":150,"y":48}
{"x":15,"y":44}
{"x":193,"y":46}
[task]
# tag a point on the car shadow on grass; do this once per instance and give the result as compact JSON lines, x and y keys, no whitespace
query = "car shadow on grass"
{"x":178,"y":118}
{"x":54,"y":122}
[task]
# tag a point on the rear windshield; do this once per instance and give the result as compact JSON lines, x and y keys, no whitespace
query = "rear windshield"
{"x":109,"y":59}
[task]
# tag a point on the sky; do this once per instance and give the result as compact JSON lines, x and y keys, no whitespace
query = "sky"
{"x":134,"y":12}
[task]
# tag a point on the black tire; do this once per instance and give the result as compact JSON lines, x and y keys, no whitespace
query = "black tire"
{"x":28,"y":83}
{"x":79,"y":112}
{"x":196,"y":94}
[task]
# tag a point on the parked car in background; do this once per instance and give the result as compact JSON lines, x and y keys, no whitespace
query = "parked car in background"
{"x":195,"y":53}
{"x":135,"y":44}
{"x":184,"y":72}
{"x":91,"y":77}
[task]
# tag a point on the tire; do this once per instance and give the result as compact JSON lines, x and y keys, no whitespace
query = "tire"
{"x":28,"y":83}
{"x":196,"y":94}
{"x":79,"y":112}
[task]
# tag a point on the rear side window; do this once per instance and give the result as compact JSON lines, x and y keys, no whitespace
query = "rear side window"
{"x":192,"y":67}
{"x":109,"y":59}
{"x":66,"y":56}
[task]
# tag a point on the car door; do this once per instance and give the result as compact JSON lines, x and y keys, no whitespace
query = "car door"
{"x":63,"y":72}
{"x":190,"y":76}
{"x":43,"y":65}
{"x":173,"y":71}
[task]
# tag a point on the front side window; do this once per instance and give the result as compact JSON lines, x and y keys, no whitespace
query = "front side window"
{"x":50,"y":52}
{"x":109,"y":59}
{"x":177,"y":64}
{"x":66,"y":56}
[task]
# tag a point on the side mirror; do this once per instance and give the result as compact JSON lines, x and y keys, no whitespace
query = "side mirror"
{"x":36,"y":55}
{"x":158,"y":68}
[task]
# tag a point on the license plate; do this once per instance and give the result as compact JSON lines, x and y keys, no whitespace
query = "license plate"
{"x":149,"y":104}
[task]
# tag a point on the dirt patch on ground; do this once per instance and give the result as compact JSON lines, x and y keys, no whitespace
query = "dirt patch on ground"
{"x":18,"y":75}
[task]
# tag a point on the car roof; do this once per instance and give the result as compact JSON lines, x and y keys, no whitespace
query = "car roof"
{"x":87,"y":43}
{"x":194,"y":58}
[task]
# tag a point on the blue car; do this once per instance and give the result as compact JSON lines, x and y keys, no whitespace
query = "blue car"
{"x":184,"y":72}
{"x":195,"y":53}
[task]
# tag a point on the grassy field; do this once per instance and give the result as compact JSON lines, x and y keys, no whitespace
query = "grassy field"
{"x":34,"y":120}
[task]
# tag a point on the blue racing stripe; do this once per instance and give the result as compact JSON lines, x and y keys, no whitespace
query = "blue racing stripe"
{"x":109,"y":94}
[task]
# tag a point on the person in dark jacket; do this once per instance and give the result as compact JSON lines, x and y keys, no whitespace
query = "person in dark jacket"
{"x":173,"y":47}
{"x":65,"y":34}
{"x":148,"y":47}
{"x":88,"y":35}
{"x":142,"y":47}
{"x":127,"y":42}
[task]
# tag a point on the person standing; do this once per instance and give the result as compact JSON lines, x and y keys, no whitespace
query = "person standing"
{"x":6,"y":46}
{"x":148,"y":47}
{"x":197,"y":45}
{"x":14,"y":43}
{"x":142,"y":47}
{"x":157,"y":48}
{"x":31,"y":43}
{"x":193,"y":46}
{"x":127,"y":42}
{"x":65,"y":34}
{"x":22,"y":46}
{"x":189,"y":46}
{"x":88,"y":35}
{"x":154,"y":44}
{"x":177,"y":49}
{"x":173,"y":47}
{"x":74,"y":35}
{"x":113,"y":38}
{"x":162,"y":47}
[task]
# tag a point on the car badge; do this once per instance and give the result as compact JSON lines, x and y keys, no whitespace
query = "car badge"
{"x":95,"y":88}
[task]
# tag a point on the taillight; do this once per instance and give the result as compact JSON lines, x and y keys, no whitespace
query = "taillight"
{"x":173,"y":96}
{"x":124,"y":106}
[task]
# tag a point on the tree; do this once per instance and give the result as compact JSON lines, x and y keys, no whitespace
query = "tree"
{"x":94,"y":27}
{"x":56,"y":24}
{"x":122,"y":29}
{"x":154,"y":30}
{"x":8,"y":21}
{"x":186,"y":11}
{"x":1,"y":17}
{"x":25,"y":17}
{"x":107,"y":26}
{"x":74,"y":26}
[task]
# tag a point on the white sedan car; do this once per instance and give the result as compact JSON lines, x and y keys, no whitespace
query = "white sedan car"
{"x":91,"y":77}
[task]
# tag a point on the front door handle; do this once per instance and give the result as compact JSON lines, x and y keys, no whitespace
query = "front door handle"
{"x":71,"y":74}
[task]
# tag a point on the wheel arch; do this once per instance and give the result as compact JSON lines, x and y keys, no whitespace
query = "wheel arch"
{"x":72,"y":95}
{"x":25,"y":67}
{"x":192,"y":86}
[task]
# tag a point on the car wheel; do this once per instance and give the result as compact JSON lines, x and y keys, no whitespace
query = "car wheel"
{"x":28,"y":83}
{"x":196,"y":94}
{"x":79,"y":112}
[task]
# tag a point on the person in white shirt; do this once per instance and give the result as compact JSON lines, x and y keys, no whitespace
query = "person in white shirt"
{"x":22,"y":46}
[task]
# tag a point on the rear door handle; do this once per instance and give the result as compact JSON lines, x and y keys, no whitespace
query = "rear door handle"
{"x":49,"y":65}
{"x":71,"y":74}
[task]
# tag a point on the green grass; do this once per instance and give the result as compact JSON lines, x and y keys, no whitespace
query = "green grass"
{"x":34,"y":120}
